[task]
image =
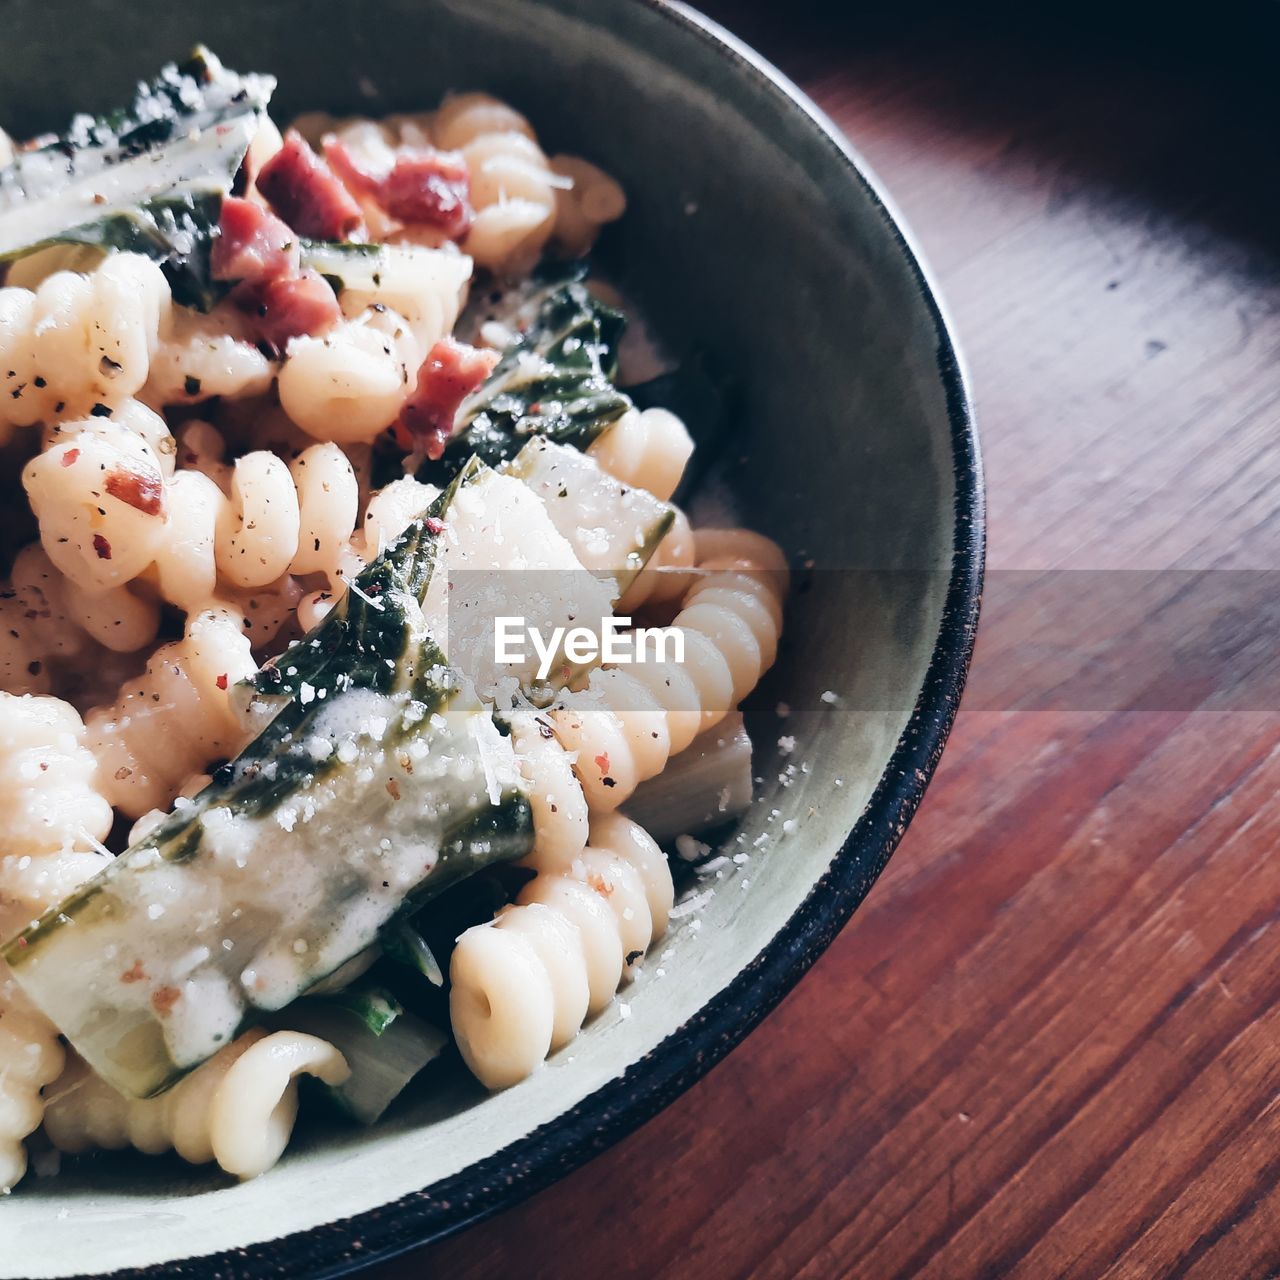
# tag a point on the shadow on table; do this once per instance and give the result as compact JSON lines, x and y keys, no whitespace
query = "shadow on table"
{"x":1173,"y":108}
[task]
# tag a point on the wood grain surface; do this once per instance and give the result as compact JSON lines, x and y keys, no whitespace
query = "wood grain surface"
{"x":1048,"y":1044}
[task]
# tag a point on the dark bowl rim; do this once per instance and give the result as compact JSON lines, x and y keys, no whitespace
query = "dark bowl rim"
{"x":614,"y":1110}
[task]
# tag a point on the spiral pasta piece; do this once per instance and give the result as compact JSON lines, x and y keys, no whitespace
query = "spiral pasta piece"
{"x":98,"y":493}
{"x":523,"y":985}
{"x":80,"y":339}
{"x":31,"y":1056}
{"x":648,"y":449}
{"x":261,"y":525}
{"x":201,"y":356}
{"x":53,"y":817}
{"x":175,"y":718}
{"x":39,"y":640}
{"x":51,"y":822}
{"x":513,"y":189}
{"x":560,"y":820}
{"x":351,"y":384}
{"x":238,"y":1108}
{"x":584,"y":204}
{"x":626,"y":724}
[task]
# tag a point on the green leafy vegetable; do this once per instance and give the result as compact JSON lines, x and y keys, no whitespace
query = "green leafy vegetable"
{"x":405,"y":945}
{"x":149,"y":178}
{"x":345,"y":264}
{"x":555,"y":381}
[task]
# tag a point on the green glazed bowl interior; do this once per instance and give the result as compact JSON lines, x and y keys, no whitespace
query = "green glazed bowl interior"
{"x":752,"y":235}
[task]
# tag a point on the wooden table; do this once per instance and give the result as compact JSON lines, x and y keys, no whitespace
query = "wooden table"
{"x":1048,"y":1044}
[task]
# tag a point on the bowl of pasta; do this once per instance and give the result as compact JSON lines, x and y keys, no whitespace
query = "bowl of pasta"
{"x":492,"y":541}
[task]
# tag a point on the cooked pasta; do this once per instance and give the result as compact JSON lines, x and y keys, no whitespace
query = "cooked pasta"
{"x":52,"y":822}
{"x":648,"y":450}
{"x":280,"y":518}
{"x":98,"y":492}
{"x":39,"y":635}
{"x":513,"y":188}
{"x":80,"y":340}
{"x":201,"y":356}
{"x":31,"y":1056}
{"x":239,"y":1108}
{"x":626,"y":724}
{"x":584,"y":204}
{"x":350,"y":385}
{"x":258,"y":460}
{"x":53,"y":817}
{"x":176,"y":717}
{"x":523,"y":985}
{"x":555,"y":794}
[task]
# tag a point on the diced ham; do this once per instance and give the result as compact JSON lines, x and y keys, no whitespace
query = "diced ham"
{"x":359,"y":178}
{"x":450,"y":373}
{"x":284,"y":309}
{"x":424,"y":186}
{"x":306,"y":193}
{"x":252,"y":244}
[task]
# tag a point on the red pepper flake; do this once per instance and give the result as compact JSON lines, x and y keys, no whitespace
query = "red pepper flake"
{"x":393,"y":789}
{"x":102,"y":547}
{"x":433,"y":525}
{"x":69,"y":458}
{"x":141,"y":490}
{"x":602,"y":762}
{"x":600,"y":885}
{"x":163,"y":999}
{"x":221,"y":681}
{"x":134,"y":974}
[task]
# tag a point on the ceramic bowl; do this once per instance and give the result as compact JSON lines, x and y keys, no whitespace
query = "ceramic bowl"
{"x":755,"y":235}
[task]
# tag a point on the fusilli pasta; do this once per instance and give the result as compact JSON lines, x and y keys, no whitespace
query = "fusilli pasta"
{"x":176,"y":717}
{"x":52,"y":816}
{"x":648,"y":449}
{"x":513,"y":189}
{"x":52,"y":820}
{"x":584,"y":204}
{"x":98,"y":492}
{"x":80,"y":340}
{"x":627,"y":723}
{"x":31,"y":1056}
{"x":319,"y":366}
{"x":523,"y":985}
{"x":350,"y":384}
{"x":238,"y":1108}
{"x":201,"y":356}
